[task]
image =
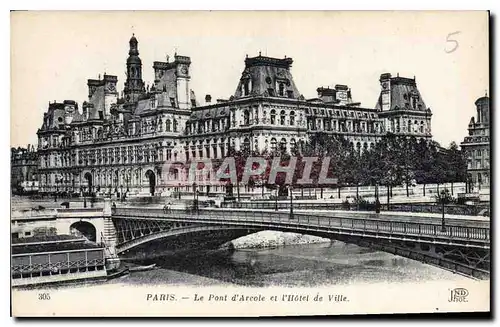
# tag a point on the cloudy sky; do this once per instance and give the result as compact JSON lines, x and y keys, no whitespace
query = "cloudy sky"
{"x":54,"y":53}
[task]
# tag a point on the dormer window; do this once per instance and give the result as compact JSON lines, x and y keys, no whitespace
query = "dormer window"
{"x":281,"y":89}
{"x":246,"y":87}
{"x":172,"y":102}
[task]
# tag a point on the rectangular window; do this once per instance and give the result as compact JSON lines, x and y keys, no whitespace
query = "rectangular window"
{"x":172,"y":102}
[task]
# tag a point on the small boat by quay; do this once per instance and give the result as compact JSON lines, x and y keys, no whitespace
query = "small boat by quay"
{"x":117,"y":274}
{"x":142,"y":268}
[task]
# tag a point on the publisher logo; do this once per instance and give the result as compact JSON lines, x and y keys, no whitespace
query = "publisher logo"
{"x":458,"y":295}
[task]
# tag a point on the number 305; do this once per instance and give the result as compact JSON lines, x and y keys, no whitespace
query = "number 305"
{"x":44,"y":296}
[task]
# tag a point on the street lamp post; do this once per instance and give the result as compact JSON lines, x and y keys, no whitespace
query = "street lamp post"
{"x":443,"y":227}
{"x":443,"y":198}
{"x":377,"y":200}
{"x":116,"y":184}
{"x":195,"y":204}
{"x":82,"y":189}
{"x":276,"y":199}
{"x":291,"y":201}
{"x":57,"y":189}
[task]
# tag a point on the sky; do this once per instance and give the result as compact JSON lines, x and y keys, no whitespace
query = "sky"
{"x":54,"y":53}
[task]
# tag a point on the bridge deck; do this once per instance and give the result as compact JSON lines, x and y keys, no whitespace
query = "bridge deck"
{"x":365,"y":225}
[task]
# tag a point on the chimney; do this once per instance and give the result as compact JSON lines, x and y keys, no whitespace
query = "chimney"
{"x":208,"y":99}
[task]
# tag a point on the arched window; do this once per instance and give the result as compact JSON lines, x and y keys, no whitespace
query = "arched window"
{"x":422,"y":127}
{"x":414,"y":102}
{"x":273,"y":117}
{"x":246,"y":145}
{"x":293,"y":145}
{"x":273,"y":145}
{"x":175,"y":125}
{"x":283,"y":145}
{"x":292,"y":118}
{"x":160,"y":125}
{"x":358,"y":147}
{"x":246,"y":118}
{"x":168,"y":123}
{"x":282,"y":117}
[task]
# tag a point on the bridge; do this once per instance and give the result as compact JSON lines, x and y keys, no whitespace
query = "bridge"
{"x":463,"y":246}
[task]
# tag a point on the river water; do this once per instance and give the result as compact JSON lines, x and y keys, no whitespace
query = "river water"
{"x":309,"y":265}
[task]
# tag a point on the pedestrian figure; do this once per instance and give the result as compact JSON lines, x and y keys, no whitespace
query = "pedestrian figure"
{"x":165,"y":208}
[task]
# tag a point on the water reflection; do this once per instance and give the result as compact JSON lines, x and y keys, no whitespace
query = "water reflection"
{"x":301,"y":265}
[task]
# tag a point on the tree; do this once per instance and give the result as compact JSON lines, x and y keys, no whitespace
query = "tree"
{"x":457,"y":165}
{"x":423,"y":166}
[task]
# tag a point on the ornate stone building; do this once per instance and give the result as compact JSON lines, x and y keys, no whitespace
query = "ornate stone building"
{"x":24,"y":169}
{"x":477,"y":145}
{"x":121,"y":143}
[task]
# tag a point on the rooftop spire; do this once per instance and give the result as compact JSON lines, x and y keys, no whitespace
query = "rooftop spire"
{"x":133,"y":46}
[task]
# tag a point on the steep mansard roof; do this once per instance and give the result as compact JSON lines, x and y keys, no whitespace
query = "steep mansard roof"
{"x":264,"y":76}
{"x":402,"y":91}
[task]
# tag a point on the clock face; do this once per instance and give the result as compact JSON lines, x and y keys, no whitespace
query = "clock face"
{"x":385,"y":85}
{"x":111,"y":88}
{"x":184,"y":69}
{"x":342,"y":95}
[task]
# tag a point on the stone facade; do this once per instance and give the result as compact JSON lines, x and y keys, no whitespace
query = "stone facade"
{"x":24,"y":168}
{"x":120,"y":144}
{"x":477,"y":145}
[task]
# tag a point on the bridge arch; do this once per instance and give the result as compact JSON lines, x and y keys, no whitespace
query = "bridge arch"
{"x":184,"y":230}
{"x":462,"y":247}
{"x":85,"y":229}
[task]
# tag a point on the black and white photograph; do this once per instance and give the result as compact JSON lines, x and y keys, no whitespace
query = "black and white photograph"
{"x":249,"y":163}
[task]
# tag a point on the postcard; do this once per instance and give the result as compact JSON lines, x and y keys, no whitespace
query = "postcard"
{"x":249,"y":163}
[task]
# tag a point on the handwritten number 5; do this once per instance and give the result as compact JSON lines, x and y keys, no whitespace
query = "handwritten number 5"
{"x":454,"y":42}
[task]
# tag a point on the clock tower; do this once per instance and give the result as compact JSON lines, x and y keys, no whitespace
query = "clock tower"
{"x":134,"y":85}
{"x":110,"y":93}
{"x":385,"y":94}
{"x":183,"y":92}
